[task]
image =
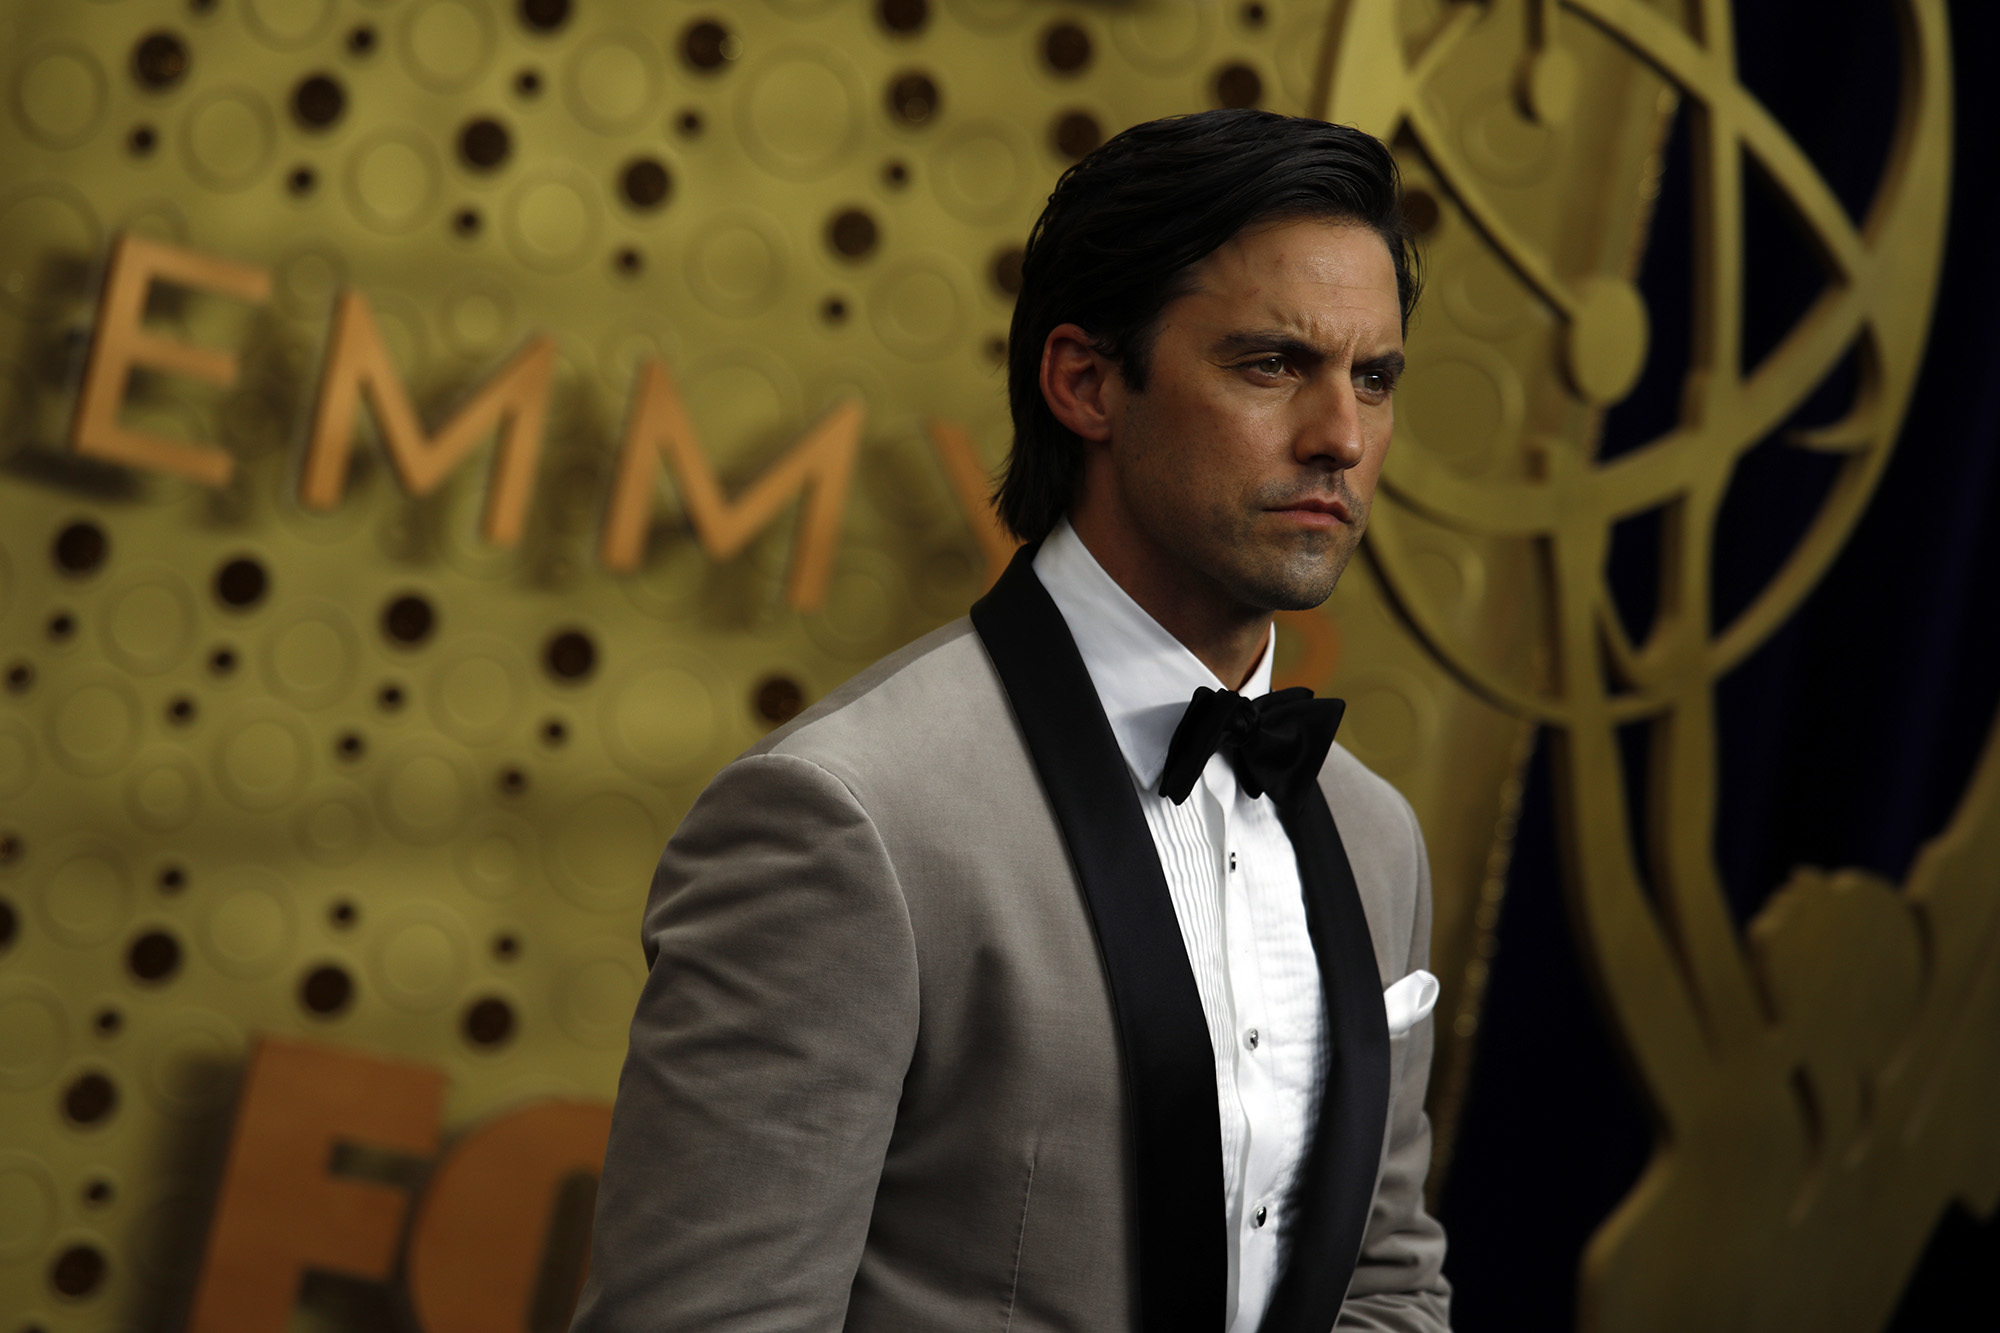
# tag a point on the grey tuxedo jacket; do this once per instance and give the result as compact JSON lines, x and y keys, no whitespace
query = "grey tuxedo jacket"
{"x":920,"y":1047}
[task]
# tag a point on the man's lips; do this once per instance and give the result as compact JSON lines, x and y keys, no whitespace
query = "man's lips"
{"x":1312,"y":508}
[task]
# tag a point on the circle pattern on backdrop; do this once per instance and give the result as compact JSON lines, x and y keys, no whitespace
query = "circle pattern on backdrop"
{"x":445,"y":44}
{"x":149,"y":622}
{"x":228,"y":138}
{"x":918,"y":309}
{"x":419,"y":959}
{"x":288,"y":24}
{"x":333,"y":825}
{"x":479,"y":316}
{"x":552,"y":219}
{"x":661,"y":718}
{"x":1397,"y":717}
{"x":602,"y":850}
{"x":263,"y":758}
{"x":613,"y":82}
{"x":981,"y":172}
{"x":800,"y":112}
{"x":736,"y":262}
{"x":1486,"y":401}
{"x":392,"y":181}
{"x":1164,"y":39}
{"x":250,"y":925}
{"x":745,"y":398}
{"x":860,"y":612}
{"x":478,"y":689}
{"x":94,"y":726}
{"x":86,"y":893}
{"x":307,"y":278}
{"x":312,"y":657}
{"x":1505,"y":146}
{"x":34,"y":1039}
{"x":597,"y":994}
{"x":163,"y":790}
{"x":59,"y":95}
{"x":423,"y":791}
{"x":497,"y":856}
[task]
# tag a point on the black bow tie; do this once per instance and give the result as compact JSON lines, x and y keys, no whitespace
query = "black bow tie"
{"x":1276,"y":743}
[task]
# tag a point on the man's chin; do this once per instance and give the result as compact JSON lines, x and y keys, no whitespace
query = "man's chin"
{"x":1298,"y":600}
{"x":1291,"y":585}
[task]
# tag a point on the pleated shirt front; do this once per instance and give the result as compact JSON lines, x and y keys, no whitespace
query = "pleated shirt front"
{"x":1234,"y":881}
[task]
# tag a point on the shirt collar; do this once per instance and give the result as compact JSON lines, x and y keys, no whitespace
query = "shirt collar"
{"x":1144,"y":676}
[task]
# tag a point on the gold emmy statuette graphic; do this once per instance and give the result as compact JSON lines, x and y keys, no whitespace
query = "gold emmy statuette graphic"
{"x":1821,"y":1081}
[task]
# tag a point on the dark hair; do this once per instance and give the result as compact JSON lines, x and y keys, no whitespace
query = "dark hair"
{"x":1125,"y":227}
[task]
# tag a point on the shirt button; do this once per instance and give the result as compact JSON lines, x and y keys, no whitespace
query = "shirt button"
{"x":1232,"y":861}
{"x":1257,"y":1218}
{"x":1250,"y":1039}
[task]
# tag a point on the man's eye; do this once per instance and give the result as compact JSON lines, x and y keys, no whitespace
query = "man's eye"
{"x":1269,"y":365}
{"x":1373,"y":382}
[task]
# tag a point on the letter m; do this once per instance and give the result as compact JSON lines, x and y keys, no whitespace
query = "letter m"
{"x":821,"y":465}
{"x":515,"y":400}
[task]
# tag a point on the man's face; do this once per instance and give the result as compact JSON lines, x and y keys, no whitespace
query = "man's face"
{"x":1251,"y":457}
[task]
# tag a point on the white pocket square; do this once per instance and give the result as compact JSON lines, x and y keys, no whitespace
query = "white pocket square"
{"x":1410,"y":1001}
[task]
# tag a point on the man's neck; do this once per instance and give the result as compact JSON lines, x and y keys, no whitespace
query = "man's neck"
{"x":1228,"y":638}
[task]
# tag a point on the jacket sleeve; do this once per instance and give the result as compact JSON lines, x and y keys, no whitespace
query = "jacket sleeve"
{"x":1399,"y":1282}
{"x":767,"y":1057}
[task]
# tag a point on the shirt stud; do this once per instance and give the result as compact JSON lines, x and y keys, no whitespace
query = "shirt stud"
{"x":1250,"y":1038}
{"x":1257,"y":1218}
{"x":1232,"y":861}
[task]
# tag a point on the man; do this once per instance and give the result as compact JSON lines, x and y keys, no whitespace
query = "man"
{"x":1035,"y":979}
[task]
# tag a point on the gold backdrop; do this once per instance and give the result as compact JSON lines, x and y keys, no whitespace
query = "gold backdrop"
{"x":327,"y":720}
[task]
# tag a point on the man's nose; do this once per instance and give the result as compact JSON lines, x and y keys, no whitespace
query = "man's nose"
{"x":1330,"y":434}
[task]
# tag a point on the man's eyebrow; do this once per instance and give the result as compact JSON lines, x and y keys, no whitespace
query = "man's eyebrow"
{"x":1389,"y":363}
{"x":1268,"y":340}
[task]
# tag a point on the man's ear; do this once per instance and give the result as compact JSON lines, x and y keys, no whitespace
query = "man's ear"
{"x":1078,"y":382}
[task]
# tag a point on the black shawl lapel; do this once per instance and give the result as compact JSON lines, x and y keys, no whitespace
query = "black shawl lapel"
{"x":1183,"y":1259}
{"x":1336,"y":1186}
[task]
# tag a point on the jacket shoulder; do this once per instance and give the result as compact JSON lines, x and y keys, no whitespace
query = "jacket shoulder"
{"x":922,"y":709}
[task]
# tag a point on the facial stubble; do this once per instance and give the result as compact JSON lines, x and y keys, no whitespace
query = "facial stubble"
{"x":1245,"y":555}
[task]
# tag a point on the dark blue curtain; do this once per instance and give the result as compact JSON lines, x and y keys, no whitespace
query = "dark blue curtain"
{"x":1846,"y":740}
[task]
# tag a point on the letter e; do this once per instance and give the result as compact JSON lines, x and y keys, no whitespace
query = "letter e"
{"x":121,"y":344}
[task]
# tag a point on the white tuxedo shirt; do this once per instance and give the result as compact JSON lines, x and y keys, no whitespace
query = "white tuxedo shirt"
{"x":1234,"y":881}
